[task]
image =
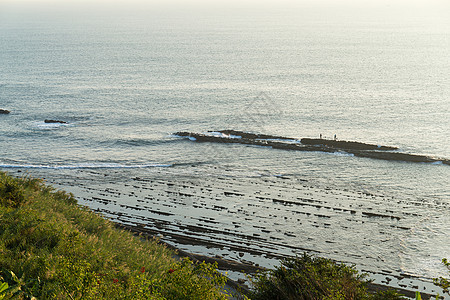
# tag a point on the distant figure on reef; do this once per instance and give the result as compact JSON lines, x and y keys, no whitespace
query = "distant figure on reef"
{"x":335,"y":138}
{"x":320,"y":136}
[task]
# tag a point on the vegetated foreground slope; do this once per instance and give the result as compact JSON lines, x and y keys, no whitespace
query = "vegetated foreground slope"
{"x":51,"y":248}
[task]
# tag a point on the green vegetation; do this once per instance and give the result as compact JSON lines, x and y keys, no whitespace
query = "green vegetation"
{"x":314,"y":278}
{"x":442,"y":282}
{"x":50,"y":248}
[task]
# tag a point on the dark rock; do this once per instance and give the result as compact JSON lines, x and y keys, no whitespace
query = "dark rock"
{"x":4,"y":112}
{"x":345,"y":144}
{"x":55,"y":121}
{"x":330,"y":146}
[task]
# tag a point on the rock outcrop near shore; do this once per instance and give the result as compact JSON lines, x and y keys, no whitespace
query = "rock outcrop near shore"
{"x":54,"y":121}
{"x":307,"y":144}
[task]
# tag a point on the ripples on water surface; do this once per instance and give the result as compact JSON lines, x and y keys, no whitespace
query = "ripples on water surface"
{"x":125,"y":81}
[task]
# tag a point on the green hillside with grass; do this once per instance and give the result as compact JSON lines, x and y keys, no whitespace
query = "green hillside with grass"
{"x":51,"y":248}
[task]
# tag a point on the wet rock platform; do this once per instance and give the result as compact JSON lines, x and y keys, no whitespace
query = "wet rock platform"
{"x":357,"y":149}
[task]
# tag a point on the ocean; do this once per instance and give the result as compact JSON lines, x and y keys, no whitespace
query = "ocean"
{"x":125,"y":79}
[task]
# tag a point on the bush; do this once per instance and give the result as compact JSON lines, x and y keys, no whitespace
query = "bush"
{"x":11,"y":192}
{"x":314,"y":278}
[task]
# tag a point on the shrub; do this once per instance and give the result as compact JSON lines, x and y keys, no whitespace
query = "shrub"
{"x":314,"y":278}
{"x":11,"y":192}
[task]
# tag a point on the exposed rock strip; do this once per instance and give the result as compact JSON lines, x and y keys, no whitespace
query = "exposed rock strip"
{"x":306,"y":144}
{"x":54,"y":121}
{"x":308,"y":141}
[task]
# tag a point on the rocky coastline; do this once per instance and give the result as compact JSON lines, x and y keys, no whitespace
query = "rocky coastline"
{"x":247,"y":268}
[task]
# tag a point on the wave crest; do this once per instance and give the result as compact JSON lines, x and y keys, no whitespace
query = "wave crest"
{"x":85,"y":166}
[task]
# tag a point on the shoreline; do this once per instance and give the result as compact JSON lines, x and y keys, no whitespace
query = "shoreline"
{"x":249,"y":269}
{"x":60,"y":250}
{"x":186,"y":211}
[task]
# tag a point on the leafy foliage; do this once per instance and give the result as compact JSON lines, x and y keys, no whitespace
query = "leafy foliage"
{"x":11,"y":192}
{"x":442,"y":282}
{"x":192,"y":282}
{"x":18,"y":287}
{"x":311,"y":278}
{"x":3,"y":287}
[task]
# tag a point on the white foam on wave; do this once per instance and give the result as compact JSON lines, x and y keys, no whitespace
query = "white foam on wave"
{"x":85,"y":166}
{"x":182,"y":137}
{"x":223,"y":135}
{"x":46,"y":126}
{"x":286,"y":141}
{"x":341,"y":153}
{"x":258,"y":146}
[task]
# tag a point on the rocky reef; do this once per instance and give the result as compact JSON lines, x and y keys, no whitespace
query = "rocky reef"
{"x":55,"y":121}
{"x":307,"y":144}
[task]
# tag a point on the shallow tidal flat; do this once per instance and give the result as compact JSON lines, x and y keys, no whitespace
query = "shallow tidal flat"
{"x":256,"y":220}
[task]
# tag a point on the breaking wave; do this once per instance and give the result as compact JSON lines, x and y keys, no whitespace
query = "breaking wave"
{"x":85,"y":166}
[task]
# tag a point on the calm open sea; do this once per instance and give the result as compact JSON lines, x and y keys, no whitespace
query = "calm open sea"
{"x":125,"y":78}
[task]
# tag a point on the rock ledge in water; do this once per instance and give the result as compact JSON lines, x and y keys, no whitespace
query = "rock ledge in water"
{"x":307,"y":144}
{"x":55,"y":121}
{"x":4,"y":112}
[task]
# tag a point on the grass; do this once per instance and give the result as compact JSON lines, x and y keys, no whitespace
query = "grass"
{"x":51,"y":248}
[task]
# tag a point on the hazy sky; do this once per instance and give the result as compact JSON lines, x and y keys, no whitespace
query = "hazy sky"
{"x":256,"y":3}
{"x":439,"y":6}
{"x":415,"y":12}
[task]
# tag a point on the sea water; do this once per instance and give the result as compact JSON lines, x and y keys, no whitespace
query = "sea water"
{"x":125,"y":79}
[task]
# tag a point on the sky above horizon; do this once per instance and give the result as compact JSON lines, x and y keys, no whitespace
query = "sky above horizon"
{"x":438,"y":7}
{"x":208,"y":3}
